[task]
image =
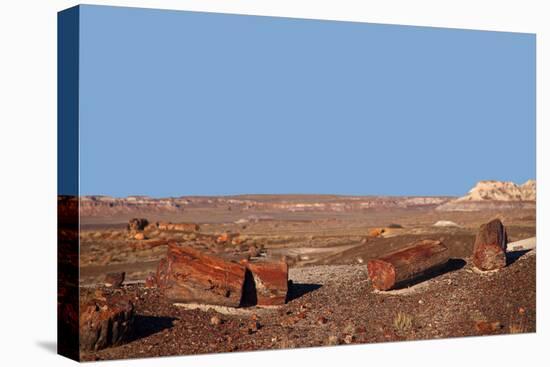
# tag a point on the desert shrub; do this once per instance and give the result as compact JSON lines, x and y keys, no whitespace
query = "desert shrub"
{"x":349,"y":329}
{"x":403,"y":322}
{"x":518,"y":324}
{"x":333,"y":340}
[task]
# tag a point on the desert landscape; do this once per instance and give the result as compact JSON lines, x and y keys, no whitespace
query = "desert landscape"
{"x":192,"y":275}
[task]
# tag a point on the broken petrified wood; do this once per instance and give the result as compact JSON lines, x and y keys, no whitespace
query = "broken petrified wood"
{"x":189,"y":275}
{"x":408,"y":264}
{"x":137,"y":224}
{"x":270,"y":283}
{"x":105,"y":322}
{"x":490,"y":246}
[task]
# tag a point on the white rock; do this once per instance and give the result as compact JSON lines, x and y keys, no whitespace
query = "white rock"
{"x":445,"y":223}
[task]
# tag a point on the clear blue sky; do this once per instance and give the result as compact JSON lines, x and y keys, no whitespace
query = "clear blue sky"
{"x":180,"y":103}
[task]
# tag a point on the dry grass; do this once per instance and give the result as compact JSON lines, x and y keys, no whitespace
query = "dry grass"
{"x":333,"y":340}
{"x":402,"y":322}
{"x":518,"y":323}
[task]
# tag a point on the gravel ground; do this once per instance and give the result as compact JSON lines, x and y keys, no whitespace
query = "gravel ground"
{"x":336,"y":304}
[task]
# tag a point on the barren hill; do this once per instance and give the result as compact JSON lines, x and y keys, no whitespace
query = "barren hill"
{"x":109,"y":207}
{"x":495,"y":195}
{"x":501,"y":191}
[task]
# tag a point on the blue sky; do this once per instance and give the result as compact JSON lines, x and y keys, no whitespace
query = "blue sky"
{"x":181,"y":103}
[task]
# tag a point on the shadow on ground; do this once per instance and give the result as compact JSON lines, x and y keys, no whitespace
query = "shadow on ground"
{"x":149,"y":325}
{"x":297,"y":290}
{"x":49,"y":346}
{"x":513,"y":256}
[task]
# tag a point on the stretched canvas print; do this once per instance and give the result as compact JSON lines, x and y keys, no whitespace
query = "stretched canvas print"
{"x":239,"y":183}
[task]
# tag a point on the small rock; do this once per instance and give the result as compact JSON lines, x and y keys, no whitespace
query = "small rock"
{"x":486,"y":327}
{"x":348,"y":339}
{"x":151,"y":281}
{"x":333,"y":340}
{"x":223,"y":238}
{"x":215,"y":320}
{"x":139,"y":236}
{"x":253,"y":327}
{"x":322,"y":320}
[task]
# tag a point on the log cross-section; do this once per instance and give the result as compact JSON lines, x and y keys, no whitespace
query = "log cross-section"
{"x":189,"y":275}
{"x":270,"y":282}
{"x":407,"y":264}
{"x":490,"y":246}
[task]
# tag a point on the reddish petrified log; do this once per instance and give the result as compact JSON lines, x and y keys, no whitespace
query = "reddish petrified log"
{"x":270,"y":282}
{"x":490,"y":246}
{"x":105,"y":322}
{"x":408,"y":264}
{"x":193,"y":276}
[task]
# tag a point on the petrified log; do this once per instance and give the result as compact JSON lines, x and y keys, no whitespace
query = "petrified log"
{"x":137,"y":224}
{"x":105,"y":322}
{"x":192,"y":276}
{"x":408,"y":264}
{"x":270,"y":282}
{"x":490,"y":246}
{"x":114,"y":280}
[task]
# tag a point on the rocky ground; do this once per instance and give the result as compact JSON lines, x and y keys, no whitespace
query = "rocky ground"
{"x":327,"y":242}
{"x":336,"y":304}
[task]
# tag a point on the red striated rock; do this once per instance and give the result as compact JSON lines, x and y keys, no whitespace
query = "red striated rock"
{"x":405,"y":265}
{"x":105,"y":322}
{"x":490,"y":246}
{"x":194,"y":276}
{"x":270,"y":281}
{"x":114,"y":279}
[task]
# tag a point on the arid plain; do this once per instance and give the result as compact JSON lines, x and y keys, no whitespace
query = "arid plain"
{"x":326,"y":242}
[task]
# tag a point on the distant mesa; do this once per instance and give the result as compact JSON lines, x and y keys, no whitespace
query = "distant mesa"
{"x":502,"y":191}
{"x":495,"y":195}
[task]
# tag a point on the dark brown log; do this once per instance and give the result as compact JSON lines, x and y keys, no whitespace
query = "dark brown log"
{"x":189,"y":275}
{"x":408,"y":264}
{"x":490,"y":246}
{"x":114,"y":280}
{"x":270,"y":282}
{"x":105,"y":322}
{"x":137,"y":224}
